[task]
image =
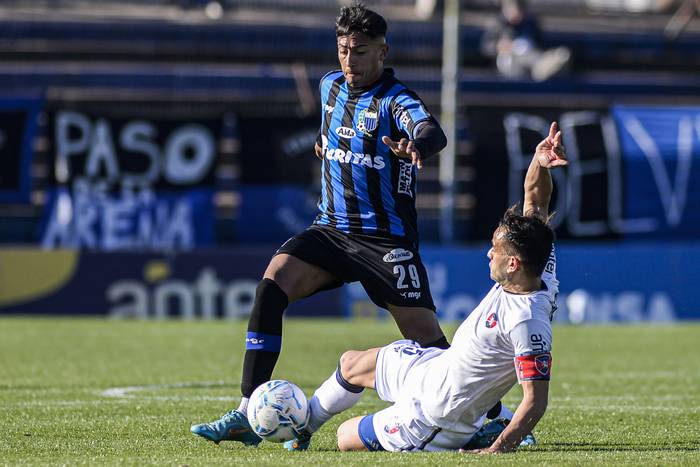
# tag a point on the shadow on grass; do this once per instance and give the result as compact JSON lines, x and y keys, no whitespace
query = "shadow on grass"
{"x":677,"y":446}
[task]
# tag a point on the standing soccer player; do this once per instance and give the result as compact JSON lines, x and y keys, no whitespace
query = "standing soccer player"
{"x":375,"y":133}
{"x":440,"y":396}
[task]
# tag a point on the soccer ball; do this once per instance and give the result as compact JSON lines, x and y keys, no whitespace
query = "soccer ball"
{"x":278,"y":410}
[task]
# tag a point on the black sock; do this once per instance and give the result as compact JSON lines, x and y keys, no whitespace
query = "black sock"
{"x":494,"y":411}
{"x":440,"y":343}
{"x":264,"y":337}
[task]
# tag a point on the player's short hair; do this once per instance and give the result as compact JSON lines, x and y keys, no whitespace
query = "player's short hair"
{"x":358,"y":19}
{"x":529,"y":238}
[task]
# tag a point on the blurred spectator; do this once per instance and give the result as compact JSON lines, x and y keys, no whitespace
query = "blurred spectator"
{"x":516,"y":44}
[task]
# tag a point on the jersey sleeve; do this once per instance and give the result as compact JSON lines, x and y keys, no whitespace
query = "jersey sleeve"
{"x":532,"y":342}
{"x":408,"y":111}
{"x":549,"y":275}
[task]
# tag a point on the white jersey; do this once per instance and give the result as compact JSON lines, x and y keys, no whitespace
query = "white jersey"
{"x":508,"y":337}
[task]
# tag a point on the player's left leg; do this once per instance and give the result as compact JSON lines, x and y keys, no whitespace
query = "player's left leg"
{"x":342,"y":390}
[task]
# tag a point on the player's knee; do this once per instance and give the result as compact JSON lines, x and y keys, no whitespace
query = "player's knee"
{"x":347,"y":437}
{"x":268,"y":306}
{"x":347,"y":364}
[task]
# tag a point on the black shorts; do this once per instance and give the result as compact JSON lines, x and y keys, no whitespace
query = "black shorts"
{"x":389,"y":269}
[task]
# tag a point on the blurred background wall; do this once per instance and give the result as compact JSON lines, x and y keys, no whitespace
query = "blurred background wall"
{"x":156,"y":152}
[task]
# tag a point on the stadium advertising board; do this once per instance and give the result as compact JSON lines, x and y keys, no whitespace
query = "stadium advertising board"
{"x":629,"y":172}
{"x":601,"y":283}
{"x":187,"y":285}
{"x":130,"y":183}
{"x":274,"y":213}
{"x":18,"y":124}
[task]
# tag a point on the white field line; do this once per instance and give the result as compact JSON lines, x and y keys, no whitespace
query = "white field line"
{"x":127,"y":391}
{"x":574,"y":407}
{"x":592,"y":403}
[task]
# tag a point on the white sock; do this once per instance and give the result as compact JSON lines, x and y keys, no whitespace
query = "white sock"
{"x":243,"y":408}
{"x":330,"y":399}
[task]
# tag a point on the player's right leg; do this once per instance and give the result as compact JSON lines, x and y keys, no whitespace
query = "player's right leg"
{"x":286,"y":279}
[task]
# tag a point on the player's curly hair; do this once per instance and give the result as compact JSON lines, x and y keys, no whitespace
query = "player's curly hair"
{"x":358,"y":19}
{"x":528,"y":237}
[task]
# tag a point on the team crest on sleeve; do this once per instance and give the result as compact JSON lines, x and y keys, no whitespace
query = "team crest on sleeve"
{"x":542,"y":364}
{"x":367,"y":121}
{"x":534,"y":366}
{"x":491,"y":320}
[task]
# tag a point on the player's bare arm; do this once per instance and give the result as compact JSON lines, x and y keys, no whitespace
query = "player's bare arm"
{"x":318,"y":150}
{"x":549,"y":153}
{"x":528,"y":413}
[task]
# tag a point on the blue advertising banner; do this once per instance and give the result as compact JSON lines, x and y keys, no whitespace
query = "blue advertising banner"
{"x":660,"y":151}
{"x":186,"y":285}
{"x":647,"y":282}
{"x":144,"y":221}
{"x":274,"y":213}
{"x":132,"y":183}
{"x":18,"y":125}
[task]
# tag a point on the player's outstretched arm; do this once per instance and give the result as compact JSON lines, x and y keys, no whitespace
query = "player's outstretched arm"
{"x":538,"y":181}
{"x":528,"y":413}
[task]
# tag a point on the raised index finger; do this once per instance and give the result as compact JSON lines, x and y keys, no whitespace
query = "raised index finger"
{"x":553,"y":129}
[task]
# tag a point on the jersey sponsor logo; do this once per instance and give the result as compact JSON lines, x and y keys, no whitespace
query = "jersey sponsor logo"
{"x":328,"y":108}
{"x":404,"y":116}
{"x":345,"y":132}
{"x":397,"y":255}
{"x":405,"y":178}
{"x":491,"y":320}
{"x":551,"y":265}
{"x":367,"y":121}
{"x":349,"y":157}
{"x":534,"y":367}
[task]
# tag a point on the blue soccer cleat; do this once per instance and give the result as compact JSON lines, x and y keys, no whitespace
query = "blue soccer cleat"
{"x":301,"y":443}
{"x":233,"y":426}
{"x":488,"y":433}
{"x":528,"y":440}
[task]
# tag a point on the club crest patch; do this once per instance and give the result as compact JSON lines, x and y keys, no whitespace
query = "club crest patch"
{"x":492,"y":320}
{"x":367,"y":121}
{"x":391,"y":429}
{"x":542,"y":364}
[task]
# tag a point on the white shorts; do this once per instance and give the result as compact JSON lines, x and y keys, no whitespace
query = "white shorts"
{"x":404,"y":426}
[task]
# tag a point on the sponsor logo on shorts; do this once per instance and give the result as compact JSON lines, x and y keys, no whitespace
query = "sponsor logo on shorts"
{"x":491,"y":320}
{"x":413,"y":295}
{"x":391,"y":429}
{"x":345,"y":132}
{"x":397,"y":255}
{"x":542,"y":364}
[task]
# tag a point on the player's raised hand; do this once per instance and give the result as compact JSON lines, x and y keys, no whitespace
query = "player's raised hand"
{"x":550,"y":152}
{"x":405,"y":149}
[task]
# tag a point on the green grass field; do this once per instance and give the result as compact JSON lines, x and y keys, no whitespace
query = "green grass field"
{"x":113,"y":392}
